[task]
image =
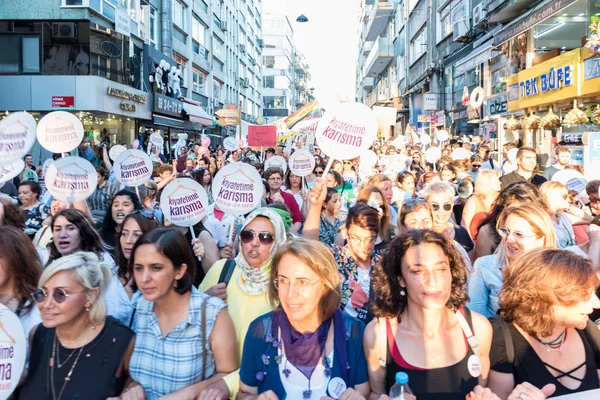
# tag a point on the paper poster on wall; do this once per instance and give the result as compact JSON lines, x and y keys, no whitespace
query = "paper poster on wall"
{"x":59,"y":132}
{"x":184,"y":202}
{"x":237,"y":188}
{"x":17,"y":135}
{"x":132,"y":167}
{"x":13,"y":351}
{"x":262,"y":135}
{"x":71,"y":179}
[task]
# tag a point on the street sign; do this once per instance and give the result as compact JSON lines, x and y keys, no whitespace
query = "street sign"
{"x":228,"y":117}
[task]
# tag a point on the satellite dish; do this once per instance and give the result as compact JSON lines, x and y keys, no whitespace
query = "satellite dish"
{"x":302,"y":18}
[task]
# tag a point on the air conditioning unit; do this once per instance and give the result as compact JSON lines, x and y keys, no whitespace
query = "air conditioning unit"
{"x":224,"y":26}
{"x":461,"y":30}
{"x":261,"y":43}
{"x":64,"y":30}
{"x":479,"y":14}
{"x":242,"y":49}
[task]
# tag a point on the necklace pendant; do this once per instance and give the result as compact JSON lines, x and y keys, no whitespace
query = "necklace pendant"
{"x":306,"y":394}
{"x":67,"y":378}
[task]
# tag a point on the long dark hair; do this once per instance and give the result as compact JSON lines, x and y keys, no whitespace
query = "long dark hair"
{"x":90,"y":239}
{"x":146,"y":224}
{"x":199,"y":176}
{"x":22,"y":264}
{"x":109,"y":226}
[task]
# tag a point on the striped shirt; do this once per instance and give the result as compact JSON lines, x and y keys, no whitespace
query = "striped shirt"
{"x":164,"y":365}
{"x":101,"y":199}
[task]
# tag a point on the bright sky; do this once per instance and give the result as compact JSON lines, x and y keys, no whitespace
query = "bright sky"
{"x":329,"y":42}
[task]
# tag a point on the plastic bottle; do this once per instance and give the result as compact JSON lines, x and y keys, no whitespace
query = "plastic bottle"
{"x":401,"y":390}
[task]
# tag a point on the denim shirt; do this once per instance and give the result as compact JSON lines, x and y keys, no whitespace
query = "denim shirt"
{"x":484,"y":285}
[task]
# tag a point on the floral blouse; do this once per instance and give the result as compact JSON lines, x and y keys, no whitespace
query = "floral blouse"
{"x":328,"y":231}
{"x":34,"y":218}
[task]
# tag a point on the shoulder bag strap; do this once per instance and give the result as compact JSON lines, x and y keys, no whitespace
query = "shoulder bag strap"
{"x":508,"y":342}
{"x":226,"y":272}
{"x":382,"y":339}
{"x":204,"y":337}
{"x":471,"y":338}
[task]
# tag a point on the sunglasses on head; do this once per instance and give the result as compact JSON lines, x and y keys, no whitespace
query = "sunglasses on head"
{"x":59,"y":295}
{"x":436,"y":207}
{"x":265,"y":238}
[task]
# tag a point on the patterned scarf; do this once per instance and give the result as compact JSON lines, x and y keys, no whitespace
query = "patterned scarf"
{"x":256,"y":280}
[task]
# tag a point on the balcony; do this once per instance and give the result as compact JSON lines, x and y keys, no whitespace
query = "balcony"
{"x":367,"y":47}
{"x":367,"y":83}
{"x":378,"y":18}
{"x":300,"y":66}
{"x":371,"y":99}
{"x":380,"y":57}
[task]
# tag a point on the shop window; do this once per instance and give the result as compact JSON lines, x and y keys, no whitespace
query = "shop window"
{"x":181,"y":64}
{"x":10,"y":55}
{"x":30,"y":50}
{"x":199,"y":78}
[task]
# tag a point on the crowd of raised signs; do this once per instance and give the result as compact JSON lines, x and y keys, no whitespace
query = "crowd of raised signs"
{"x":259,"y":274}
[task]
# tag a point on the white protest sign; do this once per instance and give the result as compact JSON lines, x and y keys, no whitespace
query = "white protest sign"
{"x":368,"y":159}
{"x":442,"y":136}
{"x":276,"y":161}
{"x":60,"y":132}
{"x":13,"y":350}
{"x":133,"y":167}
{"x":45,"y":166}
{"x":237,"y":188}
{"x":433,"y":154}
{"x":157,"y":140}
{"x":184,"y":202}
{"x":301,"y":163}
{"x":511,"y":155}
{"x":230,"y":143}
{"x":115,"y":151}
{"x":397,"y":162}
{"x":17,"y":135}
{"x":71,"y":179}
{"x":9,"y":171}
{"x":425,"y":139}
{"x":572,"y":179}
{"x":460,"y":154}
{"x":347,"y":130}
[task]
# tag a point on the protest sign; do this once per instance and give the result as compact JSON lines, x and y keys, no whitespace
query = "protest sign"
{"x":237,"y":188}
{"x":574,"y":180}
{"x":276,"y":161}
{"x":301,"y":163}
{"x":184,"y":202}
{"x":442,"y":136}
{"x":17,"y":135}
{"x":460,"y":154}
{"x":157,"y":140}
{"x":346,"y":131}
{"x":9,"y":171}
{"x":71,"y":179}
{"x":230,"y":143}
{"x":262,"y":135}
{"x":13,"y":351}
{"x":60,"y":132}
{"x":132,"y":167}
{"x":45,"y":166}
{"x":115,"y":151}
{"x":433,"y":154}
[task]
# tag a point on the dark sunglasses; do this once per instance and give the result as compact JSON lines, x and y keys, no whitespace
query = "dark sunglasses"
{"x":59,"y":295}
{"x":436,"y":207}
{"x":319,"y":173}
{"x":265,"y":238}
{"x":476,"y":165}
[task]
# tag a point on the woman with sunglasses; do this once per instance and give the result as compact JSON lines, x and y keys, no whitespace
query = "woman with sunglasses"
{"x":357,"y":258}
{"x":317,"y":173}
{"x":349,"y":173}
{"x":121,"y":205}
{"x":522,"y":229}
{"x":306,"y":348}
{"x":246,"y":290}
{"x":78,"y":351}
{"x":185,"y":339}
{"x":440,"y":197}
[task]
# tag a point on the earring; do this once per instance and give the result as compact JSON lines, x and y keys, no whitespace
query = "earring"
{"x":87,"y":309}
{"x":402,"y":292}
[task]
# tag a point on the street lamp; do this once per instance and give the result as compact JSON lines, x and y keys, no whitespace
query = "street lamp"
{"x":302,"y":18}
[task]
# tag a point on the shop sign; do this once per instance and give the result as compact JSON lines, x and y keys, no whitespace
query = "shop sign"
{"x":167,"y":105}
{"x":122,"y":22}
{"x":546,"y":83}
{"x":497,"y":105}
{"x":430,"y":101}
{"x":591,"y":73}
{"x":437,"y":118}
{"x":126,"y":95}
{"x":63,"y":102}
{"x":459,"y":115}
{"x":127,"y":106}
{"x":423,"y":118}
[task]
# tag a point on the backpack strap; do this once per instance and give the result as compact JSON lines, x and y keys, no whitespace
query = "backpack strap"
{"x":508,"y":342}
{"x":226,"y":272}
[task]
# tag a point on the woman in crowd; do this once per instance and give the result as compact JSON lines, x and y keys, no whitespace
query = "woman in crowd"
{"x":522,"y":229}
{"x":479,"y":205}
{"x":329,"y":228}
{"x":204,"y":178}
{"x":373,"y":197}
{"x":544,"y":336}
{"x":357,"y":258}
{"x":334,"y":180}
{"x":306,"y":344}
{"x":406,"y":183}
{"x":150,"y":203}
{"x":424,"y":328}
{"x":293,"y":184}
{"x":43,"y":237}
{"x":349,"y":172}
{"x":123,"y":204}
{"x":440,"y":197}
{"x":19,"y":273}
{"x":513,"y":195}
{"x":425,"y":179}
{"x":12,"y":215}
{"x":35,"y":212}
{"x":78,"y":351}
{"x":185,"y":339}
{"x":99,"y":201}
{"x":448,"y":174}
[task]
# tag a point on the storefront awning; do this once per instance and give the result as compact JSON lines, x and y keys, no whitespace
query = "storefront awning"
{"x":177,"y":123}
{"x":512,"y":10}
{"x":197,"y":114}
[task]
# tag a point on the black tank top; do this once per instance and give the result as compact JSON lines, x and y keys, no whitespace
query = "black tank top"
{"x":94,"y":376}
{"x":447,"y":383}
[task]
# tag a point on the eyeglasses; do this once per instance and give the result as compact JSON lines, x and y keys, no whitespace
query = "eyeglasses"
{"x":476,"y":165}
{"x":265,"y":238}
{"x":301,"y":285}
{"x":59,"y":295}
{"x":358,"y":240}
{"x":319,"y":173}
{"x":436,"y":207}
{"x":594,"y":200}
{"x":347,"y":162}
{"x":518,"y":236}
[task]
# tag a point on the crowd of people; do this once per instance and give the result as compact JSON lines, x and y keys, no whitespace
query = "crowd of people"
{"x":477,"y":279}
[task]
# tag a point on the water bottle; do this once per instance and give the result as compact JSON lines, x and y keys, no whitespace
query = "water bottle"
{"x":401,"y":390}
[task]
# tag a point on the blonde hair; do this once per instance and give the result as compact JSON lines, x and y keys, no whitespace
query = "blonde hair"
{"x":89,"y":271}
{"x":536,"y":217}
{"x":482,"y":183}
{"x":549,"y":186}
{"x":316,"y":256}
{"x":443,"y":188}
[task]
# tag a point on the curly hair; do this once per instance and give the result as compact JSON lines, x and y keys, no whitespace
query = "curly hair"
{"x":386,"y":279}
{"x":385,"y":227}
{"x":540,"y":279}
{"x":13,"y":216}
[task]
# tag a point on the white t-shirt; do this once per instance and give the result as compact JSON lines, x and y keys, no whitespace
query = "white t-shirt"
{"x":296,"y":382}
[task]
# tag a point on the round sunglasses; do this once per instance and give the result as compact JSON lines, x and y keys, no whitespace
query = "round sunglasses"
{"x":265,"y":238}
{"x":436,"y":207}
{"x":59,"y":295}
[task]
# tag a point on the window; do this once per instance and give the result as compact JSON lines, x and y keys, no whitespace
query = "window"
{"x":153,"y":28}
{"x":30,"y":50}
{"x":199,"y":78}
{"x":418,"y":46}
{"x":108,"y":9}
{"x":217,"y":48}
{"x":198,"y":36}
{"x":182,"y":62}
{"x":444,"y":24}
{"x":21,"y":54}
{"x":73,"y":2}
{"x":216,"y":7}
{"x":275,"y":101}
{"x":217,"y":90}
{"x":179,"y":14}
{"x":269,"y":82}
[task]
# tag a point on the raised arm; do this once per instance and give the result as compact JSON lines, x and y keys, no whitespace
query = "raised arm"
{"x":316,"y":196}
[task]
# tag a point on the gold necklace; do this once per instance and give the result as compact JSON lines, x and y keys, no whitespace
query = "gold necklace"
{"x":68,"y":377}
